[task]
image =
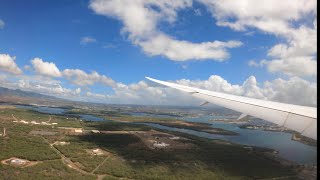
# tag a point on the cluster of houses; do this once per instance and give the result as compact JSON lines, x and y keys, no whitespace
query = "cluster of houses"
{"x":34,"y":122}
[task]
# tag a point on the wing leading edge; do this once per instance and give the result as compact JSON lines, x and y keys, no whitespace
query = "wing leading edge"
{"x":299,"y":118}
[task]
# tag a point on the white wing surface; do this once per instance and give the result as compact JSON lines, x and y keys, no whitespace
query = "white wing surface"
{"x":298,"y":118}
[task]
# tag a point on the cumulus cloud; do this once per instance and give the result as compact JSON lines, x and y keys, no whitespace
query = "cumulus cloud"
{"x":87,"y":40}
{"x":48,"y":88}
{"x":294,"y":91}
{"x":75,"y":76}
{"x":2,"y":24}
{"x":281,"y":18}
{"x":81,"y":78}
{"x":141,"y":20}
{"x":184,"y":50}
{"x":285,"y":19}
{"x":270,"y":16}
{"x":7,"y":64}
{"x":45,"y":68}
{"x":294,"y":66}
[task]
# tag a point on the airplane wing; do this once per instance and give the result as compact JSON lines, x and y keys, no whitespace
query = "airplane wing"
{"x":298,"y":118}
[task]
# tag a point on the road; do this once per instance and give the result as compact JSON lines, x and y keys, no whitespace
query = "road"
{"x":72,"y":165}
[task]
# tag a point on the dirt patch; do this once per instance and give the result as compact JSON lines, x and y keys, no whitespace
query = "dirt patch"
{"x":158,"y":140}
{"x":17,"y":162}
{"x":98,"y":152}
{"x":7,"y":107}
{"x":42,"y":133}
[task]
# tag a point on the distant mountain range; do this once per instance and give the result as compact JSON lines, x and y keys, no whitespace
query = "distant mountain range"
{"x":17,"y":92}
{"x":18,"y":96}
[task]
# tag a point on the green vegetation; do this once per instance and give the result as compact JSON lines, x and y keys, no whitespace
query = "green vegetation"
{"x":54,"y":170}
{"x":298,"y":137}
{"x":129,"y":157}
{"x":115,"y":126}
{"x":209,"y":159}
{"x":171,"y":122}
{"x":96,"y":112}
{"x":26,"y":147}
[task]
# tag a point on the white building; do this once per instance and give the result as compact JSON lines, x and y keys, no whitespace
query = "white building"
{"x":18,"y":161}
{"x":97,"y":152}
{"x":78,"y":131}
{"x":174,"y":138}
{"x":160,"y":144}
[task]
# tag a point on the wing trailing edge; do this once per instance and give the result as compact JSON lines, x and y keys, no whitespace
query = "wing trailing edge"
{"x":302,"y":119}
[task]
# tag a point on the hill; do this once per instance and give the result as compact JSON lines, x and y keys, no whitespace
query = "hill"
{"x":18,"y":96}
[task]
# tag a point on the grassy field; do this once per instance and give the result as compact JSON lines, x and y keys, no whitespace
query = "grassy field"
{"x":129,"y":157}
{"x":54,"y":170}
{"x":209,"y":159}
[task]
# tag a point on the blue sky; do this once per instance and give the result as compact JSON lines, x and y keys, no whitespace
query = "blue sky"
{"x":53,"y":31}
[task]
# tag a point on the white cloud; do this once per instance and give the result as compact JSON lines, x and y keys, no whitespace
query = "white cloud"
{"x":2,"y":24}
{"x":184,"y":50}
{"x":293,"y":66}
{"x":78,"y":91}
{"x":3,"y":78}
{"x":87,"y":40}
{"x":284,"y":19}
{"x":141,"y":20}
{"x":45,"y":68}
{"x":81,"y":78}
{"x":271,"y":16}
{"x":253,"y":63}
{"x":75,"y":76}
{"x":98,"y":97}
{"x":7,"y":64}
{"x":40,"y":84}
{"x":294,"y":90}
{"x":48,"y":88}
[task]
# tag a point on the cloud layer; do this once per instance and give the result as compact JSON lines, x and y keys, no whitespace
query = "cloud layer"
{"x":295,"y":55}
{"x":141,"y":20}
{"x":293,"y":90}
{"x":284,"y":19}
